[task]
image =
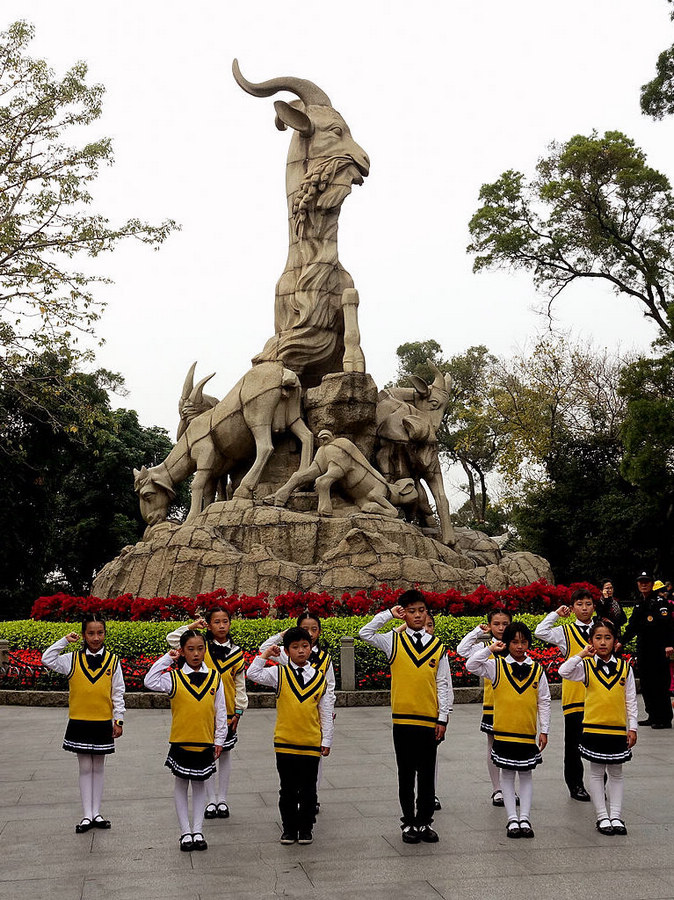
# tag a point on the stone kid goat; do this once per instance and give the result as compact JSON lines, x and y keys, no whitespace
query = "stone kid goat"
{"x":265,"y":400}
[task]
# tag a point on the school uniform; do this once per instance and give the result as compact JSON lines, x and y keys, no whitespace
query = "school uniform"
{"x":473,"y":641}
{"x":199,"y":716}
{"x":95,"y":698}
{"x":421,"y":698}
{"x":320,"y":659}
{"x":304,"y":724}
{"x":570,"y":638}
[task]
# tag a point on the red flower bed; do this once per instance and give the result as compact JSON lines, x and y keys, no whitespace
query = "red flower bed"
{"x":533,"y":598}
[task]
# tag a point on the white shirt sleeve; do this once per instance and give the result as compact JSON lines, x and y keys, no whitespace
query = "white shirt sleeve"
{"x":481,"y":662}
{"x":118,"y":688}
{"x":546,"y":631}
{"x":573,"y":669}
{"x":262,"y":674}
{"x":631,"y":702}
{"x":472,"y":642}
{"x":443,"y":679}
{"x":173,"y":637}
{"x":330,"y":681}
{"x":326,"y":706}
{"x":543,"y":703}
{"x":240,"y":697}
{"x":157,"y":679}
{"x":220,"y":735}
{"x":368,"y":632}
{"x":52,"y":659}
{"x":276,"y":640}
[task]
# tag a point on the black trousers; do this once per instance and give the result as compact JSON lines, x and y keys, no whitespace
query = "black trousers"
{"x":654,"y":675}
{"x":573,"y":763}
{"x":415,"y":748}
{"x":297,"y":795}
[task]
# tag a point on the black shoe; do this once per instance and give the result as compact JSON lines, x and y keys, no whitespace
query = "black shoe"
{"x":186,"y":843}
{"x":661,"y":725}
{"x":644,"y":722}
{"x":513,"y":829}
{"x":427,"y":834}
{"x":305,"y":837}
{"x":410,"y":835}
{"x":100,"y":822}
{"x":222,"y":810}
{"x":497,"y":799}
{"x":317,"y":809}
{"x":84,"y":825}
{"x":198,"y":842}
{"x":211,"y":811}
{"x":604,"y":826}
{"x":618,"y":826}
{"x":437,"y":804}
{"x":526,"y":831}
{"x":580,"y":793}
{"x":288,"y":837}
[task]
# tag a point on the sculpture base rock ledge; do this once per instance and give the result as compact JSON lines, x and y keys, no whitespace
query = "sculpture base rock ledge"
{"x":248,"y":546}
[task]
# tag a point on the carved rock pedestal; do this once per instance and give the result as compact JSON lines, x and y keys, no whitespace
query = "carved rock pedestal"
{"x":245,"y":546}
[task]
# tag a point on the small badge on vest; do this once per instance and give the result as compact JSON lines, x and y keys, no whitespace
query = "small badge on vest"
{"x":432,"y":663}
{"x":622,"y":682}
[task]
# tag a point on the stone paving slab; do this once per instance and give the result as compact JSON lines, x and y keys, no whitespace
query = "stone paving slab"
{"x":357,"y":852}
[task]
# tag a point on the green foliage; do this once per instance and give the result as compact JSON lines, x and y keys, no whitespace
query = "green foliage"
{"x":594,"y":210}
{"x":657,"y":96}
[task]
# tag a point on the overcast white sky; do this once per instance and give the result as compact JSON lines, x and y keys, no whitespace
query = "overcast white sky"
{"x":443,"y":96}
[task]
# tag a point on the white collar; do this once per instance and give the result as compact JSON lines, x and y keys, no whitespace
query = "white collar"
{"x":227,"y":643}
{"x":527,"y":660}
{"x":187,"y":669}
{"x":422,"y":631}
{"x":307,"y":670}
{"x":600,"y":661}
{"x":97,"y":653}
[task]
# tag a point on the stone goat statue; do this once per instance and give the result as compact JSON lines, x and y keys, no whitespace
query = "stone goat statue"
{"x":265,"y":400}
{"x":193,"y":401}
{"x":324,"y":162}
{"x":339,"y":462}
{"x":407,"y":421}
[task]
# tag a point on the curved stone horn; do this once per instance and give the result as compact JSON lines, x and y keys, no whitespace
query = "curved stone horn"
{"x":189,"y":382}
{"x":309,"y":93}
{"x":439,"y":377}
{"x":197,"y":395}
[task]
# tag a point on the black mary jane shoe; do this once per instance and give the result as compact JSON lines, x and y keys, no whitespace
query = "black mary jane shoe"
{"x":579,"y":793}
{"x":497,"y":799}
{"x":84,"y":825}
{"x":211,"y":811}
{"x":618,"y":826}
{"x":604,"y":826}
{"x":427,"y":835}
{"x":410,"y":835}
{"x":436,"y":803}
{"x":222,"y":811}
{"x":513,"y":829}
{"x":186,"y":843}
{"x":198,"y":842}
{"x":100,"y":822}
{"x":526,"y":831}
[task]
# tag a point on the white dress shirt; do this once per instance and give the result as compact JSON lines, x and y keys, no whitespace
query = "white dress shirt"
{"x":551,"y":634}
{"x":384,"y":642}
{"x":474,"y":640}
{"x":62,"y":662}
{"x":158,"y":679}
{"x":241,"y":697}
{"x":259,"y":672}
{"x":282,"y":658}
{"x":483,"y":663}
{"x":574,"y":670}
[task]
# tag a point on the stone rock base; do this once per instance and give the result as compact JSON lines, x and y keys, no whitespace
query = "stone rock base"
{"x":246,"y":546}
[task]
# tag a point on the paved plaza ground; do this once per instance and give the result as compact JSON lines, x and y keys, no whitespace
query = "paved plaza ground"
{"x":357,"y":852}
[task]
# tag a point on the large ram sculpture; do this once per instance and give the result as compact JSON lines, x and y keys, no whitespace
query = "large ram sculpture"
{"x":265,"y":401}
{"x":324,"y":162}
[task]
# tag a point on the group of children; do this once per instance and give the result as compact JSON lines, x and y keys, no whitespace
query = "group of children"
{"x":204,"y":676}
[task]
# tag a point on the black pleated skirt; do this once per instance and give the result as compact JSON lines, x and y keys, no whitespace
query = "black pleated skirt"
{"x":83,"y":736}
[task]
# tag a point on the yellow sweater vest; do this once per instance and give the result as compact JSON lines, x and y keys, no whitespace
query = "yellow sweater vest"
{"x":573,"y":692}
{"x":90,"y":696}
{"x":414,"y":689}
{"x":324,"y":660}
{"x":193,"y":710}
{"x":515,"y":704}
{"x":488,"y":696}
{"x":298,"y":722}
{"x":228,"y":669}
{"x":605,"y":710}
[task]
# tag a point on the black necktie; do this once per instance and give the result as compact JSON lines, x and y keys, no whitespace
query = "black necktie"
{"x":610,"y":667}
{"x":300,"y":676}
{"x":314,"y":658}
{"x":197,"y":678}
{"x":219,"y":652}
{"x":418,"y":644}
{"x":520,"y":670}
{"x":585,"y":631}
{"x":94,"y":662}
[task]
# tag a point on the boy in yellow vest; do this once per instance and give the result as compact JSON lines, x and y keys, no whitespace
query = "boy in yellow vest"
{"x":571,"y":638}
{"x":303,"y":731}
{"x":421,"y":701}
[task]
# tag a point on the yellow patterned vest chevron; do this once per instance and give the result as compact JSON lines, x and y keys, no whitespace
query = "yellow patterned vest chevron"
{"x":605,"y":711}
{"x":298,"y":723}
{"x":90,"y":696}
{"x":573,"y":692}
{"x":414,"y":691}
{"x":515,"y":703}
{"x":193,"y":710}
{"x":228,"y":669}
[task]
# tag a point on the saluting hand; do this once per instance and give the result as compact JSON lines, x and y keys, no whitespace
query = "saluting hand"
{"x":198,"y":623}
{"x":588,"y":650}
{"x":397,"y":612}
{"x":486,"y":627}
{"x":564,"y":612}
{"x":497,"y":647}
{"x":174,"y":654}
{"x":73,"y":637}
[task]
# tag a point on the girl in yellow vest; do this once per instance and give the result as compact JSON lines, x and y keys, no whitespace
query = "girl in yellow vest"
{"x":96,"y":710}
{"x":303,"y":732}
{"x":487,"y":632}
{"x":521,"y":709}
{"x":224,"y":655}
{"x":319,"y":658}
{"x":609,"y":720}
{"x":198,"y":729}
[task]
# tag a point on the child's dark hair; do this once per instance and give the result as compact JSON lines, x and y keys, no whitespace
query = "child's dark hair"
{"x":495,"y":610}
{"x":295,"y":634}
{"x":582,"y":594}
{"x":407,"y":598}
{"x":208,"y":615}
{"x":430,"y":615}
{"x":514,"y":630}
{"x":604,"y":623}
{"x":92,"y":617}
{"x":307,"y":615}
{"x":187,"y":635}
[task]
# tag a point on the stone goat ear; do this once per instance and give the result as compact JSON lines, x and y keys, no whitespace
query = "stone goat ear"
{"x":289,"y":117}
{"x":420,"y":385}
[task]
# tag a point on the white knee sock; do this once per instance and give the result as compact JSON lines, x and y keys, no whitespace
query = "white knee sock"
{"x":494,"y":771}
{"x":597,"y":789}
{"x":198,"y":804}
{"x":210,"y":788}
{"x":616,"y":789}
{"x":97,"y":777}
{"x":526,"y":794}
{"x":182,"y":810}
{"x":224,"y":771}
{"x":508,"y":788}
{"x":85,"y":761}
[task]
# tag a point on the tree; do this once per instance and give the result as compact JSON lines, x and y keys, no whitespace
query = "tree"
{"x":657,"y":96}
{"x":595,"y":210}
{"x":44,"y":220}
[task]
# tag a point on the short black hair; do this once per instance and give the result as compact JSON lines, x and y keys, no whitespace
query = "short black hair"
{"x":208,"y":615}
{"x":407,"y":598}
{"x":92,"y":617}
{"x":604,"y":623}
{"x":515,"y":629}
{"x":495,"y":610}
{"x":188,"y":635}
{"x":582,"y":594}
{"x":295,"y":634}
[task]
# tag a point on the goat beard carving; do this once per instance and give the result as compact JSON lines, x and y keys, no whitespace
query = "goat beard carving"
{"x":319,"y":192}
